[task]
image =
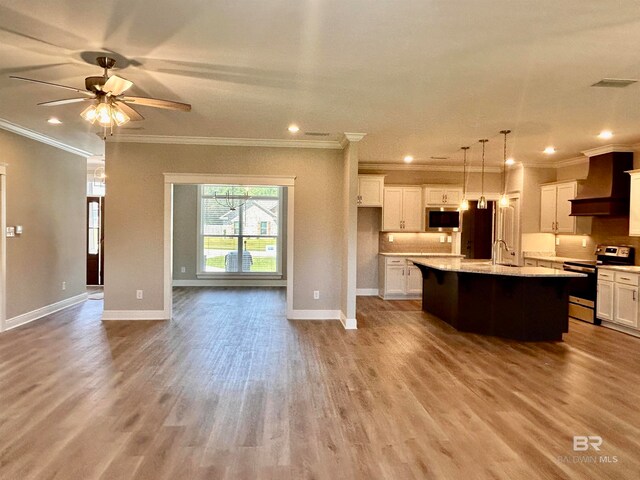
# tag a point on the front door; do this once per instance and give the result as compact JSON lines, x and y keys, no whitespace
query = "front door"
{"x":95,"y":240}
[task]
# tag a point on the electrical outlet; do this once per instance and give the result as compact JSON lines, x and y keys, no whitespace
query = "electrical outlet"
{"x":390,"y":238}
{"x":64,"y":285}
{"x":139,"y":294}
{"x":183,"y":269}
{"x":557,"y":240}
{"x":443,"y":238}
{"x":584,"y":243}
{"x":316,"y":294}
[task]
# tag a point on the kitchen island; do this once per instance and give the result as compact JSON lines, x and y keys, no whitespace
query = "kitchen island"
{"x":521,"y":303}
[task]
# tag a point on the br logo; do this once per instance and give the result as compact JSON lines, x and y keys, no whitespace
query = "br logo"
{"x":582,"y":443}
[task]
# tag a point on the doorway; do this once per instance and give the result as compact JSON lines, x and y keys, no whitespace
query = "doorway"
{"x":95,"y":241}
{"x":477,"y":231}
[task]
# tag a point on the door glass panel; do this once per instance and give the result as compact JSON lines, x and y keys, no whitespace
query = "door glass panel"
{"x":93,"y":221}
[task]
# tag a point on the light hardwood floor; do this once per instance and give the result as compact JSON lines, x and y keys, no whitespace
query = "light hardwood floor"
{"x":230,"y":389}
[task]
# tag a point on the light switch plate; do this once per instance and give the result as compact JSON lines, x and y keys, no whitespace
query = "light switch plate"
{"x":448,"y":238}
{"x":557,"y":240}
{"x":584,"y":243}
{"x":443,"y":238}
{"x":11,"y":232}
{"x":390,"y":238}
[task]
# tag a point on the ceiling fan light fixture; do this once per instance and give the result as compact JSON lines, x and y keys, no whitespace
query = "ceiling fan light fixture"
{"x":103,"y":114}
{"x":89,"y":114}
{"x":119,"y":116}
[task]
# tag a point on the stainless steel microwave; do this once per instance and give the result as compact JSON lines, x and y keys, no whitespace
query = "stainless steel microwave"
{"x":442,"y":219}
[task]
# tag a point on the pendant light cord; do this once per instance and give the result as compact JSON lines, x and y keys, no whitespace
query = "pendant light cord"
{"x":504,"y":162}
{"x":483,"y":142}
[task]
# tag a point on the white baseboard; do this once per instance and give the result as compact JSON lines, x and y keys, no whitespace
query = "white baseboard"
{"x":348,"y":323}
{"x":313,"y":315}
{"x":230,"y":283}
{"x":136,"y":315}
{"x":44,"y":311}
{"x":367,"y":292}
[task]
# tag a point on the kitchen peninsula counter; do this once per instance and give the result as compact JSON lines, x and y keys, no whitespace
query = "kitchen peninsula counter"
{"x":521,"y":303}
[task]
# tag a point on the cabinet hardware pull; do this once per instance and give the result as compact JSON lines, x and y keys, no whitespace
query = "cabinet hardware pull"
{"x":625,"y":278}
{"x":634,"y":295}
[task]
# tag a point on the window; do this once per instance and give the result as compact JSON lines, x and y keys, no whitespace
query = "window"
{"x":243,"y":238}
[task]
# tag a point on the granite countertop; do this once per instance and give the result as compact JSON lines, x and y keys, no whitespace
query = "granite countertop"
{"x":621,"y":268}
{"x":485,"y":267}
{"x":414,"y":254}
{"x":548,"y":258}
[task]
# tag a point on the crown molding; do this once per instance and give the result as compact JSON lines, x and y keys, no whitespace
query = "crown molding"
{"x":572,"y":161}
{"x":226,"y":141}
{"x":607,"y":149}
{"x":426,"y":168}
{"x":39,"y":137}
{"x":348,"y":138}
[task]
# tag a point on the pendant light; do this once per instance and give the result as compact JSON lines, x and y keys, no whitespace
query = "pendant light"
{"x":504,"y":200}
{"x":464,"y":204}
{"x":482,"y":203}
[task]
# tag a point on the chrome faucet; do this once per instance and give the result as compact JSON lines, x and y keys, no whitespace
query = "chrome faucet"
{"x":496,"y":249}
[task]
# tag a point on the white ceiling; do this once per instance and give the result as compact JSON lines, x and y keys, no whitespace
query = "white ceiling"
{"x":420,"y":77}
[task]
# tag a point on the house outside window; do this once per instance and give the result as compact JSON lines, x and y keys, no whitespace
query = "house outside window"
{"x":241,"y":241}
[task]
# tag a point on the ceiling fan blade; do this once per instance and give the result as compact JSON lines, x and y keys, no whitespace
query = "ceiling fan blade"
{"x":133,"y":115}
{"x":157,"y":103}
{"x":78,"y":90}
{"x":116,"y":85}
{"x":66,"y":101}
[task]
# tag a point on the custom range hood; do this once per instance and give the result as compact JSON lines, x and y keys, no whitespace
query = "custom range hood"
{"x":605,"y":192}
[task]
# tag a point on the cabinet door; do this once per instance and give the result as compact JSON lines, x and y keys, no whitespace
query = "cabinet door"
{"x":604,"y":303}
{"x":435,"y":196}
{"x":547,"y":208}
{"x":414,"y":280}
{"x":392,"y":208}
{"x":412,"y":209}
{"x":634,"y":206}
{"x":453,"y":197}
{"x":626,"y":305}
{"x":394,"y":280}
{"x":370,"y":190}
{"x":566,"y":223}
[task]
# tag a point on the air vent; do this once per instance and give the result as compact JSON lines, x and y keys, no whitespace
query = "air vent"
{"x":614,"y":82}
{"x":439,"y":158}
{"x":317,"y":134}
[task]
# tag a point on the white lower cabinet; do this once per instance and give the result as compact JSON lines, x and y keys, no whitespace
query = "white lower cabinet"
{"x":617,"y":300}
{"x":399,"y":279}
{"x":626,"y":305}
{"x":604,"y":309}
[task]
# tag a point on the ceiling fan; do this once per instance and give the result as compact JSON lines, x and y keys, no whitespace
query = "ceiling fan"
{"x":109,"y":106}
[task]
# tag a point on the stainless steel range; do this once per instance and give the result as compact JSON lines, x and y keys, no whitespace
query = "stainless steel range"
{"x":583,"y":291}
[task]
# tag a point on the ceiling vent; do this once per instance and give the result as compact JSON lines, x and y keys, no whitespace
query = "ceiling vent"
{"x":317,"y":134}
{"x":439,"y":158}
{"x":614,"y":82}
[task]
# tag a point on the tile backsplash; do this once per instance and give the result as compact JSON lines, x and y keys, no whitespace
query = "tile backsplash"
{"x":414,"y":243}
{"x":611,"y":230}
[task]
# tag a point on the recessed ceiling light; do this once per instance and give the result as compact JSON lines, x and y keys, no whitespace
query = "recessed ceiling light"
{"x":509,"y":161}
{"x":54,"y":121}
{"x":605,"y":134}
{"x":294,"y":128}
{"x":408,"y":159}
{"x":550,"y":150}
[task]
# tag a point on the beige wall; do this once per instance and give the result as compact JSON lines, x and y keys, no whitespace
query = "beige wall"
{"x":574,"y":172}
{"x":134,"y":219}
{"x":46,"y":194}
{"x":369,"y":225}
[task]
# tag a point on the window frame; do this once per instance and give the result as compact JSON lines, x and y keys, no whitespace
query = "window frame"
{"x":200,"y":267}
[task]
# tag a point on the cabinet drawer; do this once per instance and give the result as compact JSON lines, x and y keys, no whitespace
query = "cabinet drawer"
{"x":626,"y":278}
{"x":530,"y":263}
{"x":544,"y":264}
{"x":398,"y":261}
{"x":607,"y":275}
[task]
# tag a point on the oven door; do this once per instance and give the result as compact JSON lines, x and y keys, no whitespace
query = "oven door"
{"x":582,"y":294}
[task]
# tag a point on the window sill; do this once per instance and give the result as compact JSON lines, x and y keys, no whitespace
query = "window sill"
{"x":237,"y":276}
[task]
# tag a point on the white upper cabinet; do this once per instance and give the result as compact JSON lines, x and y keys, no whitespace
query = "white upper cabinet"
{"x":402,"y":209}
{"x":370,"y":190}
{"x":634,"y":204}
{"x":442,"y":195}
{"x":555,"y":207}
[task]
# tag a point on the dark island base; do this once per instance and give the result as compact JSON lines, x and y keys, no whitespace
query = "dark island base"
{"x":519,"y":308}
